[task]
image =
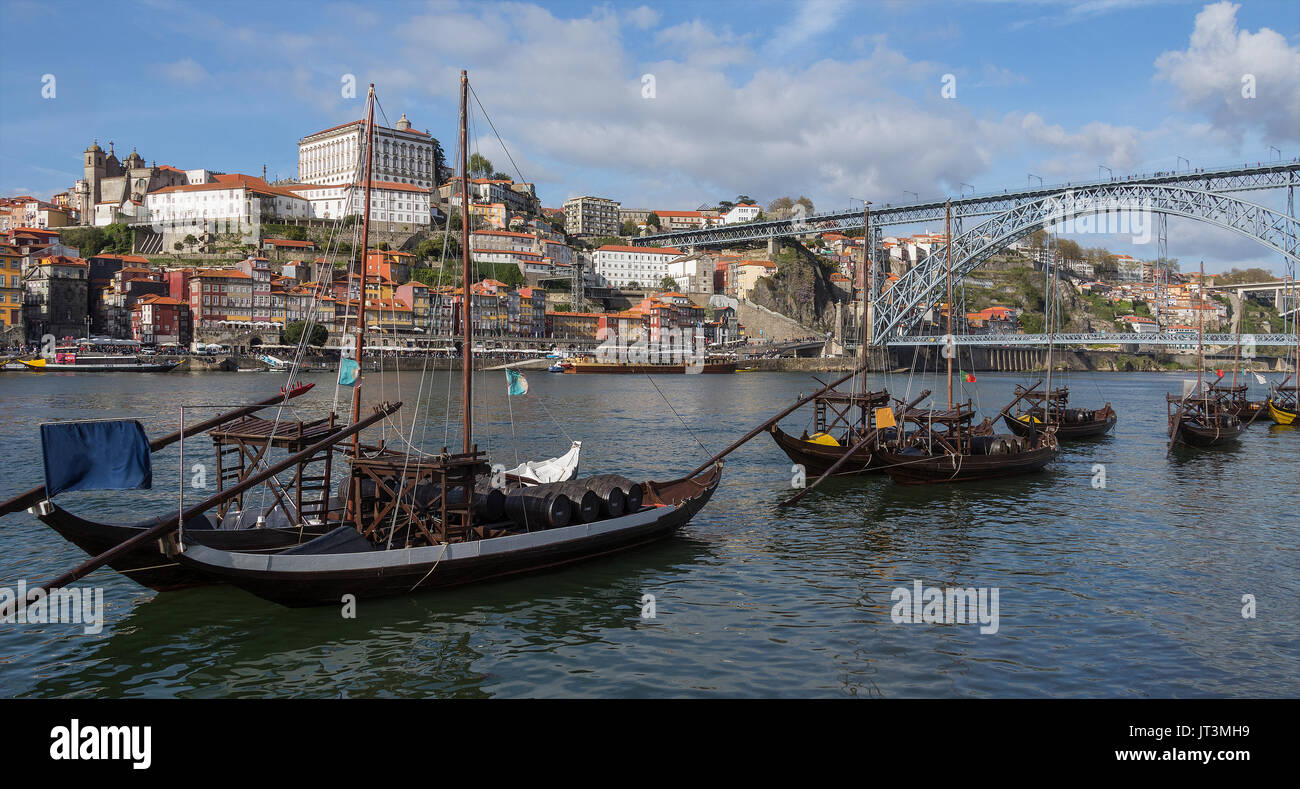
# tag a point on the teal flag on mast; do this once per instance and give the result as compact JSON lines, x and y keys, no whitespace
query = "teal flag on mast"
{"x":349,"y":371}
{"x":516,"y":383}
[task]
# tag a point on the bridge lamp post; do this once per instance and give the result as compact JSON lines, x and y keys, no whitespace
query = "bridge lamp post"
{"x":1029,"y":182}
{"x":1183,"y":159}
{"x":962,"y":188}
{"x":1273,"y":148}
{"x":1101,"y":167}
{"x":914,"y":194}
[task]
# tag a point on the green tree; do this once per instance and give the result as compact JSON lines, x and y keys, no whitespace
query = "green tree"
{"x":431,"y":249}
{"x":190,"y":241}
{"x":1236,"y":276}
{"x":668,"y":283}
{"x":500,"y":176}
{"x":88,"y":241}
{"x":292,"y":333}
{"x":454,"y":222}
{"x":119,"y":238}
{"x":479,"y":166}
{"x":780,"y":207}
{"x":634,"y":285}
{"x":629,"y":228}
{"x":743,"y":199}
{"x":653,"y":221}
{"x":178,"y":246}
{"x":1069,"y":250}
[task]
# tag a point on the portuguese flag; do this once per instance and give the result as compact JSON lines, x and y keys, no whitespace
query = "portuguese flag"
{"x":968,"y":377}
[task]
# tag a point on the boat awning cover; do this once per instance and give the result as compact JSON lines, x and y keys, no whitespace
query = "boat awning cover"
{"x":99,"y":455}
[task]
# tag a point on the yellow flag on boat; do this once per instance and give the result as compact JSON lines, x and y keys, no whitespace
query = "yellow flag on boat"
{"x":885,"y":417}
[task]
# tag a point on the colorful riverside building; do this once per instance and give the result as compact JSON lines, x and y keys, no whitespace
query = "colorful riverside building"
{"x":57,"y":298}
{"x":221,"y":296}
{"x":161,"y":320}
{"x":11,"y":287}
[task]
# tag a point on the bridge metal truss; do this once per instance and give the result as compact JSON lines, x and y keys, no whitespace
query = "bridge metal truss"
{"x":899,"y":308}
{"x":1265,"y":176}
{"x":1182,"y":339}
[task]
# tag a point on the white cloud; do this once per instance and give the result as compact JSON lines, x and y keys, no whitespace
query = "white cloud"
{"x":1207,"y":76}
{"x":642,"y":17}
{"x":1119,"y":147}
{"x":183,"y":72}
{"x":703,"y":46}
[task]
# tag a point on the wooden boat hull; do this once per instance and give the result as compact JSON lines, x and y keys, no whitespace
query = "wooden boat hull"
{"x":817,"y":458}
{"x":930,"y":469}
{"x":299,"y":580}
{"x":147,"y":564}
{"x":584,"y":368}
{"x":1195,"y":434}
{"x":1281,"y":415}
{"x":1067,"y":431}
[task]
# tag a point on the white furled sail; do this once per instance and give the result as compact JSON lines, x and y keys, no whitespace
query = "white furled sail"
{"x":559,"y":469}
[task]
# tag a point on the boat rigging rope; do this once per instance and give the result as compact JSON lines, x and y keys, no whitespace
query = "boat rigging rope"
{"x":649,"y":378}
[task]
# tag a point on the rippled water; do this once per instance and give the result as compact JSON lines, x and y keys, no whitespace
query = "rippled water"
{"x":1133,"y":589}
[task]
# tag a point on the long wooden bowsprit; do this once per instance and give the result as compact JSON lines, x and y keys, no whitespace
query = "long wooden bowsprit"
{"x":164,"y":527}
{"x":34,"y":496}
{"x":750,"y":435}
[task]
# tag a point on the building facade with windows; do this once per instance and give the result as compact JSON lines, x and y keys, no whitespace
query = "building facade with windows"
{"x":620,"y":267}
{"x":591,"y":216}
{"x":402,"y":155}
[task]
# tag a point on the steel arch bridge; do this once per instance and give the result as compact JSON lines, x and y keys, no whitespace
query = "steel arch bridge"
{"x":897,"y":309}
{"x":1275,"y":175}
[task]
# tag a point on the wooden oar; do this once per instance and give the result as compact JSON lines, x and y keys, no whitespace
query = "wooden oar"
{"x":836,"y":465}
{"x":166,"y":526}
{"x":24,"y":500}
{"x":745,"y":438}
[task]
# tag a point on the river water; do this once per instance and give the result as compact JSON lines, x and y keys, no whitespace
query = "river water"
{"x":1131,"y":589}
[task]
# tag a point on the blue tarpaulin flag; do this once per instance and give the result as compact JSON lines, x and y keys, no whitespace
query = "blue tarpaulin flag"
{"x":517,"y":384}
{"x":102,"y":455}
{"x":348,"y":370}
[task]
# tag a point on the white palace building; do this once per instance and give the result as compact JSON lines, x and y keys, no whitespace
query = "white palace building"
{"x":335,"y":156}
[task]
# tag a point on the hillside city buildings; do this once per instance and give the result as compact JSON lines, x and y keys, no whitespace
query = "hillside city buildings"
{"x":204,"y":264}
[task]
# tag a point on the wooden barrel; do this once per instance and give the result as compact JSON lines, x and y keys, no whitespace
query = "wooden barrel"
{"x":610,"y":494}
{"x":532,"y":509}
{"x":604,"y":484}
{"x":586,"y":504}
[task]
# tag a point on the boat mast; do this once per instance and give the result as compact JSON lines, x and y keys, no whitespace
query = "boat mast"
{"x":1236,"y":356}
{"x":1200,"y":321}
{"x":359,"y":349}
{"x":862,"y":292}
{"x":947,"y":235}
{"x":465,"y":309}
{"x":1047,"y":317}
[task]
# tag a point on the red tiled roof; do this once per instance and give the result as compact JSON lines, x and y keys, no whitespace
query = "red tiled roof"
{"x":231,"y":181}
{"x":652,"y":250}
{"x":59,"y":260}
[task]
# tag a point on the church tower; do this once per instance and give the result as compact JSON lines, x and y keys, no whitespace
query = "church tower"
{"x":94,"y":169}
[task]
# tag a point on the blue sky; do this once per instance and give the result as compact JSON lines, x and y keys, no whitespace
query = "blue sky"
{"x":833,"y":100}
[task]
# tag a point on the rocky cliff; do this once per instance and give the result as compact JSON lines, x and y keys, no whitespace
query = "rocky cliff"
{"x":801,"y":289}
